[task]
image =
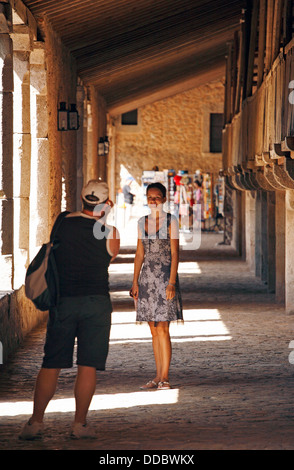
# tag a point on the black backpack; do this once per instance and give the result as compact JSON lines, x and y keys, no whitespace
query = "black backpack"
{"x":41,"y":282}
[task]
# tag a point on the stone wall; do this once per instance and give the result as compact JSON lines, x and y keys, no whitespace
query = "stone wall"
{"x":171,"y":133}
{"x":94,"y":167}
{"x":42,"y":179}
{"x":61,"y":86}
{"x":17,"y":317}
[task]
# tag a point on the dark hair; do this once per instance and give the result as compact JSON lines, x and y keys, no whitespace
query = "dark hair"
{"x":159,"y":186}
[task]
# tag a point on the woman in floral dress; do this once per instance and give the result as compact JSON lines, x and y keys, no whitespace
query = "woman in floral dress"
{"x":155,"y":284}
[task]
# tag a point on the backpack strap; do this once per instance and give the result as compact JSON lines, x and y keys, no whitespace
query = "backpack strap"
{"x":57,"y":224}
{"x":53,"y":308}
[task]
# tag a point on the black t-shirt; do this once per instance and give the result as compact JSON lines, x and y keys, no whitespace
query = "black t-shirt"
{"x":82,"y":258}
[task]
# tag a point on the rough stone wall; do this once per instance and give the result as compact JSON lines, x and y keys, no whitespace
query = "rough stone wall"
{"x":61,"y":86}
{"x":172,"y":133}
{"x":51,"y":81}
{"x":95,"y":167}
{"x":17,"y":317}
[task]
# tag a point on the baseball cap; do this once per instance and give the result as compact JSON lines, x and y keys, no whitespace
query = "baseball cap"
{"x":95,"y":192}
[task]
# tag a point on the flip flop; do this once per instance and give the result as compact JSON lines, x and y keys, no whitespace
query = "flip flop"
{"x":163,"y":386}
{"x":149,"y":385}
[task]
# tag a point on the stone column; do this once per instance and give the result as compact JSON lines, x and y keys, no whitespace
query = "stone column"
{"x":111,"y":161}
{"x":271,"y":241}
{"x":264,"y":237}
{"x":289,"y":252}
{"x":21,"y":150}
{"x":228,"y":215}
{"x":89,"y":165}
{"x":250,"y":229}
{"x":39,"y":193}
{"x":239,"y":232}
{"x":280,"y":252}
{"x":80,"y":145}
{"x":242,"y":223}
{"x":6,"y":152}
{"x":258,"y":256}
{"x":234,"y":220}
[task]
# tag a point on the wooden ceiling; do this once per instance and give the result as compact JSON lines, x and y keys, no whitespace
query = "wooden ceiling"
{"x":136,"y":51}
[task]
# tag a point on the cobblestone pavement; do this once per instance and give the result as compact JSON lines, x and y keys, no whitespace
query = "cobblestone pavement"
{"x":231,"y":374}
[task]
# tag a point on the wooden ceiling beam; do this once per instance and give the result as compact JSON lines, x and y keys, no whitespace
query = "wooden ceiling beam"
{"x":149,"y":96}
{"x":133,"y":48}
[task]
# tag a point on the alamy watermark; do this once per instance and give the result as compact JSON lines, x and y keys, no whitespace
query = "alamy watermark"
{"x":291,"y":355}
{"x":291,"y":95}
{"x":186,"y":219}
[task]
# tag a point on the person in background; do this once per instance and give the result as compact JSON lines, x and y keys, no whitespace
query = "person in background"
{"x":198,"y":198}
{"x":86,"y":247}
{"x":128,"y":198}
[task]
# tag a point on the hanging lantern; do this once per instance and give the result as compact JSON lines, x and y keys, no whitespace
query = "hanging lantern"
{"x":73,"y":118}
{"x":101,"y":146}
{"x":62,"y":118}
{"x":106,"y":146}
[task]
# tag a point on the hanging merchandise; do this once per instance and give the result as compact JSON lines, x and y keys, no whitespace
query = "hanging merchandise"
{"x":212,"y":196}
{"x":219,"y":191}
{"x":171,"y":190}
{"x":153,"y":176}
{"x":183,"y":209}
{"x":177,"y":181}
{"x":207,"y":196}
{"x":186,"y":179}
{"x":190,"y":193}
{"x":184,"y":200}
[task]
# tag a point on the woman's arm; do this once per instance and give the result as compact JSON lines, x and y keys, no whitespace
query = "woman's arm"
{"x":139,"y":258}
{"x":174,"y":245}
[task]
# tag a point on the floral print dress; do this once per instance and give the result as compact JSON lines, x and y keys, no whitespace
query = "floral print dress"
{"x":152,"y":304}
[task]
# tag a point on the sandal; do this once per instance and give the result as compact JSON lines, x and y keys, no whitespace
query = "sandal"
{"x":149,"y":385}
{"x":163,"y":386}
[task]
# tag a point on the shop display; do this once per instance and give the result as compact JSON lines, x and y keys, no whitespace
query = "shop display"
{"x":207,"y":196}
{"x":219,"y":191}
{"x":153,"y":176}
{"x":183,"y":194}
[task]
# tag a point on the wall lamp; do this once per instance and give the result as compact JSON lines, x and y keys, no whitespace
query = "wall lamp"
{"x":103,"y":146}
{"x":68,"y":119}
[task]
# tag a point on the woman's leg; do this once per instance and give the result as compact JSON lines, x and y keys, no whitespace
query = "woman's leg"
{"x":156,"y":351}
{"x":162,"y":349}
{"x":165,"y":349}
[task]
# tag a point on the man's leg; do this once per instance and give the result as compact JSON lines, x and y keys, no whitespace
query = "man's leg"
{"x":84,"y":390}
{"x":93,"y":339}
{"x":44,"y":391}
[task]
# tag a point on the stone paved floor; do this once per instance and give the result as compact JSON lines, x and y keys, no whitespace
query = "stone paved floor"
{"x":232,"y":379}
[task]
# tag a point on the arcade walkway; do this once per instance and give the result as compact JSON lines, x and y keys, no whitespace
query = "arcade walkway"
{"x":232,"y":379}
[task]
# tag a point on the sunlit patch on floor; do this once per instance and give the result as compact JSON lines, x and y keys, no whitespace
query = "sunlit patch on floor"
{"x":198,"y":325}
{"x":99,"y":402}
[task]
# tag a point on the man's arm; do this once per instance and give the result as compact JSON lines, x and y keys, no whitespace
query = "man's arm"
{"x":114,"y":243}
